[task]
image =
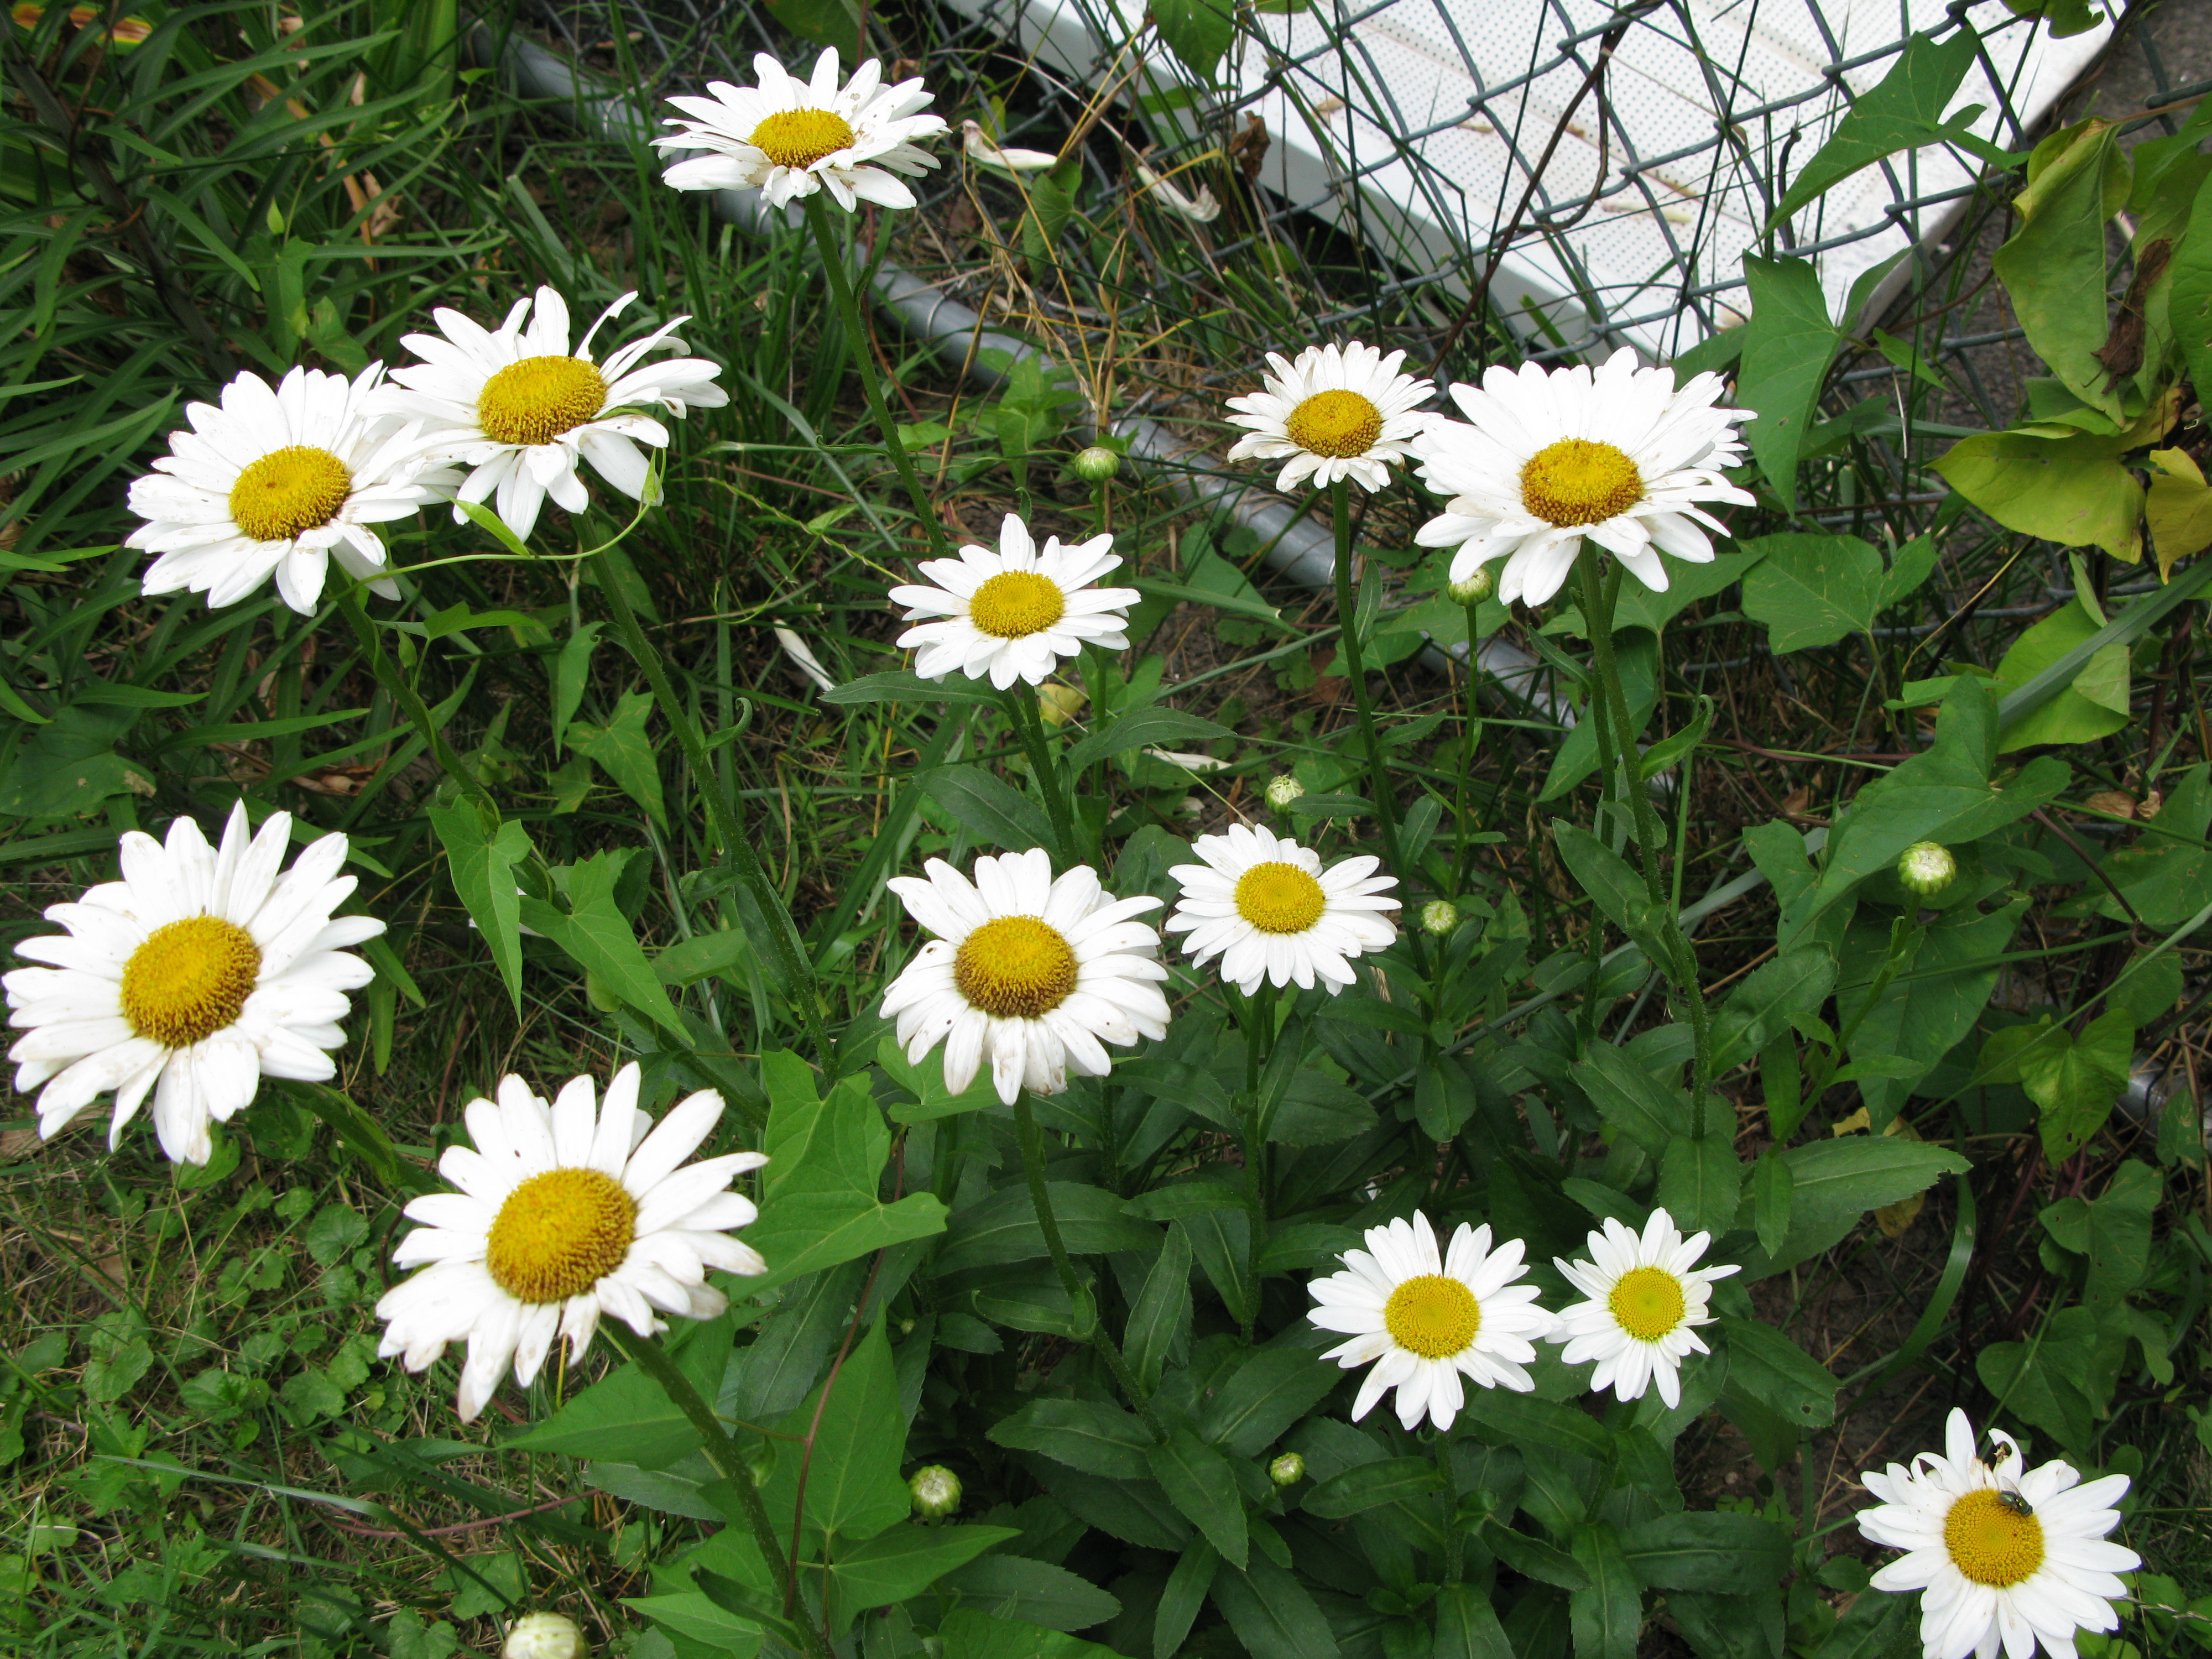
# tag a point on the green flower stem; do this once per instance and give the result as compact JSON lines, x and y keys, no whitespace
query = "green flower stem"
{"x":822,"y":217}
{"x":721,"y":1452}
{"x":783,"y":936}
{"x":1386,"y":806}
{"x":1031,"y":1141}
{"x":1020,"y":702}
{"x":1617,"y":750}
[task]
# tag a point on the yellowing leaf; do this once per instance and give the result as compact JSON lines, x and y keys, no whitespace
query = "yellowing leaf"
{"x":2071,"y":491}
{"x":2180,"y":509}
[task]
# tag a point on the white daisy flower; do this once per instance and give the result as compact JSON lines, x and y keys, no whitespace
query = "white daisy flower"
{"x":2006,"y":1556}
{"x":196,"y":974}
{"x":1015,"y":613}
{"x":1645,"y":1295}
{"x":1031,"y":974}
{"x":1264,"y":906}
{"x":789,"y":138}
{"x":278,"y":481}
{"x":564,"y":1215}
{"x":1620,"y":457}
{"x":521,"y":410}
{"x":1424,"y":1321}
{"x":1337,"y":412}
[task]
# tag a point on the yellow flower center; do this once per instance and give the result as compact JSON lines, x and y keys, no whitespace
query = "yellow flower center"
{"x":289,"y":491}
{"x":1991,"y":1542}
{"x":1574,"y":482}
{"x":1017,"y":602}
{"x":189,"y":980}
{"x":537,"y":400}
{"x":1433,"y":1316}
{"x":559,"y":1234}
{"x":1337,"y":424}
{"x":800,"y":137}
{"x":1648,"y":1303}
{"x":1280,"y":898}
{"x":1015,"y":968}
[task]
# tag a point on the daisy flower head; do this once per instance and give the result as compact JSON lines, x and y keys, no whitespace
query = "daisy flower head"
{"x":564,"y":1214}
{"x":1646,"y":1296}
{"x":198,"y":974}
{"x":1264,"y":906}
{"x":2005,"y":1556}
{"x":520,"y":410}
{"x":1015,"y":613}
{"x":789,"y":138}
{"x":1424,"y":1319}
{"x":278,"y":481}
{"x":1029,"y":975}
{"x":1336,"y":412}
{"x":1620,"y":457}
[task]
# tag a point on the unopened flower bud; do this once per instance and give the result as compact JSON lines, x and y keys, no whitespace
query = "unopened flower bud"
{"x":1282,"y":790}
{"x":1926,"y":868}
{"x":1287,"y":1470}
{"x":1439,"y":916}
{"x":544,"y":1636}
{"x":1096,"y":463}
{"x":1476,"y":586}
{"x":936,"y":1490}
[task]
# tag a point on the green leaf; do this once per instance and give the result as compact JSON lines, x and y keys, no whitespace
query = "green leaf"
{"x":926,"y":1083}
{"x":1272,"y":1614}
{"x":2073,"y":1081}
{"x":1606,"y":1615}
{"x":599,"y":938}
{"x":1787,"y":347}
{"x":1088,"y":1435}
{"x":1651,"y":1109}
{"x":1003,"y":1227}
{"x":1836,"y":1181}
{"x":2189,"y":303}
{"x":1931,"y":1007}
{"x":1525,"y":1419}
{"x":2052,"y":266}
{"x":1467,"y":1627}
{"x":2070,"y":489}
{"x":697,"y":1617}
{"x":1196,"y":31}
{"x":1700,"y":1182}
{"x":1370,"y":1486}
{"x":2068,"y":716}
{"x":1185,"y":1594}
{"x":1782,"y":1376}
{"x":1143,"y":728}
{"x":1618,"y":891}
{"x":2113,"y":1232}
{"x":968,"y":1634}
{"x":1199,"y":1483}
{"x":1814,"y":590}
{"x":1771,"y":1190}
{"x":819,"y":1204}
{"x":1904,"y":111}
{"x":67,"y":766}
{"x":2050,"y":1381}
{"x":1876,"y":1625}
{"x":2168,"y":875}
{"x":1316,"y":1110}
{"x":626,"y":1418}
{"x":904,"y":687}
{"x":853,"y":1485}
{"x":1269,"y":1392}
{"x":1760,"y":1009}
{"x":624,"y":753}
{"x":1159,"y":1325}
{"x":991,"y":810}
{"x":481,"y":855}
{"x":1013,"y":1586}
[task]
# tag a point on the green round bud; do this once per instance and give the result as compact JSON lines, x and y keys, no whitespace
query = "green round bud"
{"x":544,"y":1636}
{"x":1283,"y":789}
{"x":1096,"y":464}
{"x":1926,"y":868}
{"x":1439,"y":916}
{"x":1287,"y":1470}
{"x":1476,"y":586}
{"x":936,"y":1490}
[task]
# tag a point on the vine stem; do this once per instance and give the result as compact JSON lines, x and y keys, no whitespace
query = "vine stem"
{"x":799,"y":971}
{"x":1030,"y":1138}
{"x":820,"y":217}
{"x":1618,"y":748}
{"x":722,"y":1452}
{"x":1021,"y":710}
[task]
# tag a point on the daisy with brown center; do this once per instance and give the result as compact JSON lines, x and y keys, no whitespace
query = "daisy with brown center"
{"x":1337,"y":412}
{"x":278,"y":481}
{"x":1264,"y":906}
{"x":198,"y":974}
{"x":521,"y":410}
{"x":1620,"y":457}
{"x":1030,"y":976}
{"x":2005,"y":1556}
{"x":1646,"y":1294}
{"x":1014,"y":613}
{"x":1425,"y":1320}
{"x":789,"y":138}
{"x":565,"y":1214}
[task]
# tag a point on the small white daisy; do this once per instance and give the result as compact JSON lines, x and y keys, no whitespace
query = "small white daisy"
{"x":1620,"y":457}
{"x":1015,"y":613}
{"x":1264,"y":906}
{"x":521,"y":411}
{"x":789,"y":138}
{"x":278,"y":480}
{"x":564,"y":1215}
{"x":1337,"y":412}
{"x":2006,"y":1556}
{"x":1031,"y":975}
{"x":1425,"y":1321}
{"x":196,"y":975}
{"x":1645,"y":1294}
